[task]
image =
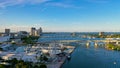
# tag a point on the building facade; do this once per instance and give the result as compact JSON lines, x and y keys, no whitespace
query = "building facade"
{"x":33,"y":31}
{"x":22,"y":34}
{"x":36,"y":32}
{"x":39,"y":31}
{"x":101,"y":33}
{"x":7,"y":32}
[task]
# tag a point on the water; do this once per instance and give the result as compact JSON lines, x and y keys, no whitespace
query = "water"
{"x":91,"y":57}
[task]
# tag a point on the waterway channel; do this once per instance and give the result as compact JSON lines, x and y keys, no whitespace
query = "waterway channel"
{"x":92,"y":57}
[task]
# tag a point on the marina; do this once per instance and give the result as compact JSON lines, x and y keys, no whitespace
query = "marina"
{"x":59,"y":49}
{"x":59,"y":34}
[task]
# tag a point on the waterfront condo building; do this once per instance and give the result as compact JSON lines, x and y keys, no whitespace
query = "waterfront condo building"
{"x":7,"y":32}
{"x":33,"y":31}
{"x":39,"y":32}
{"x":36,"y":32}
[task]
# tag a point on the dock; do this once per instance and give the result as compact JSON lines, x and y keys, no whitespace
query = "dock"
{"x":57,"y":63}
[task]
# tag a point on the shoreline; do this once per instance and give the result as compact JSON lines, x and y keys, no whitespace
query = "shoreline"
{"x":66,"y":57}
{"x":63,"y":60}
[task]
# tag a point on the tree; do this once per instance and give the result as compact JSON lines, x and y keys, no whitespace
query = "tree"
{"x":2,"y":66}
{"x":13,"y":62}
{"x":18,"y":65}
{"x":43,"y":66}
{"x":45,"y":58}
{"x":1,"y":58}
{"x":1,"y":49}
{"x":0,"y":43}
{"x":22,"y":64}
{"x":36,"y":66}
{"x":30,"y":39}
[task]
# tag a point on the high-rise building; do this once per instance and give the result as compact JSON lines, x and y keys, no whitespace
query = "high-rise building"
{"x":39,"y":31}
{"x":33,"y":31}
{"x":101,"y":33}
{"x":7,"y":31}
{"x":22,"y":34}
{"x":36,"y":32}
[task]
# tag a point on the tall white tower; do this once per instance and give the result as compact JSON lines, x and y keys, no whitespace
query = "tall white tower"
{"x":33,"y":31}
{"x":39,"y":31}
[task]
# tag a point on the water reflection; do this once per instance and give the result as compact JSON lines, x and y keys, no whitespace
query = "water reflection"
{"x":93,"y":57}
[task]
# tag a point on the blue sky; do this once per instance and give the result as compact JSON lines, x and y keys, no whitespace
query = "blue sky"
{"x":60,"y":15}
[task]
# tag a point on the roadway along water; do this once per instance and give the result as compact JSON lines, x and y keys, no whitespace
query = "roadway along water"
{"x":92,"y":57}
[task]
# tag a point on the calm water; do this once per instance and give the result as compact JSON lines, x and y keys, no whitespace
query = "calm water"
{"x":92,"y":57}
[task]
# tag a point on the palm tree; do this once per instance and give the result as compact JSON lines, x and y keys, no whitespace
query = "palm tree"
{"x":2,"y":66}
{"x":43,"y":66}
{"x":1,"y":49}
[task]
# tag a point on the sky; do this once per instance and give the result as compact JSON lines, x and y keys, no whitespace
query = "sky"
{"x":60,"y":15}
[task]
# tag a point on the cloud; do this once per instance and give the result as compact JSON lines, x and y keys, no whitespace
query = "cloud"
{"x":98,"y":1}
{"x":63,"y":5}
{"x":6,"y":3}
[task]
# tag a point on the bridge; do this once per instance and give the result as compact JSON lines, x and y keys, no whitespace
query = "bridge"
{"x":78,"y":40}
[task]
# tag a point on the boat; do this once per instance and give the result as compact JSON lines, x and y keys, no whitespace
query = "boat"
{"x":68,"y":57}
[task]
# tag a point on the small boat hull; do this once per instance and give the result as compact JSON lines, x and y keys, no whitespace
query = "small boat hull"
{"x":68,"y":57}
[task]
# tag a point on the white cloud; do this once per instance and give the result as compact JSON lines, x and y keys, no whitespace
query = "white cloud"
{"x":58,"y":4}
{"x":98,"y":1}
{"x":38,"y":1}
{"x":62,"y":4}
{"x":6,"y":3}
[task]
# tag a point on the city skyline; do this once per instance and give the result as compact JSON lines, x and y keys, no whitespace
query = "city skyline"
{"x":60,"y":15}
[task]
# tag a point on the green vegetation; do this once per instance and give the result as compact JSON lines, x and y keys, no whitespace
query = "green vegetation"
{"x":114,"y":36}
{"x":98,"y":36}
{"x":0,"y":58}
{"x":13,"y":43}
{"x":103,"y":36}
{"x":22,"y":64}
{"x":106,"y":36}
{"x":111,"y":36}
{"x":43,"y":66}
{"x":0,"y":43}
{"x":1,"y":49}
{"x":113,"y":47}
{"x":2,"y":66}
{"x":14,"y":63}
{"x":43,"y":58}
{"x":30,"y":39}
